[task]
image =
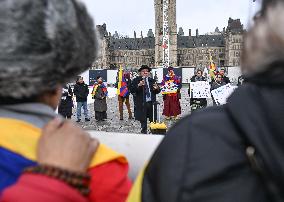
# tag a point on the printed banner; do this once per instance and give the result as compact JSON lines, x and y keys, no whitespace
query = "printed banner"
{"x":221,"y":94}
{"x":200,"y":89}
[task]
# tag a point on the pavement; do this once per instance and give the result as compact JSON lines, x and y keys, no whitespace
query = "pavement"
{"x":113,"y":124}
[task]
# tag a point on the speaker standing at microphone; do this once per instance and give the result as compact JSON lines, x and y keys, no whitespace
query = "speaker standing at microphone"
{"x":146,"y":90}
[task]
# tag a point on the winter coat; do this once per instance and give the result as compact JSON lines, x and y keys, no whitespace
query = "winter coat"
{"x":216,"y":85}
{"x":81,"y":91}
{"x":140,"y":97}
{"x":66,"y":102}
{"x":100,"y":104}
{"x":208,"y":156}
{"x":226,"y":79}
{"x":41,"y":188}
{"x":23,"y":127}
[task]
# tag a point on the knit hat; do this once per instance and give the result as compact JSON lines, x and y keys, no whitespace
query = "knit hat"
{"x":170,"y":68}
{"x":43,"y":43}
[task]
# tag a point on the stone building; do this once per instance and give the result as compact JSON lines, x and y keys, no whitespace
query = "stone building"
{"x":194,"y":51}
{"x":234,"y":42}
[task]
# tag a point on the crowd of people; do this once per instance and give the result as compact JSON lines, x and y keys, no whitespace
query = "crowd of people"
{"x":44,"y":157}
{"x":144,"y":88}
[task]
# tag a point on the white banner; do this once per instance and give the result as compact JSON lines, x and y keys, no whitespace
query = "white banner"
{"x":221,"y":94}
{"x":200,"y":89}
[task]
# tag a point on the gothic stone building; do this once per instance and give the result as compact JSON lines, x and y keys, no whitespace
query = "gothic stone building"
{"x":187,"y":51}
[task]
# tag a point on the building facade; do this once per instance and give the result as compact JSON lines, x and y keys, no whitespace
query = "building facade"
{"x":187,"y":51}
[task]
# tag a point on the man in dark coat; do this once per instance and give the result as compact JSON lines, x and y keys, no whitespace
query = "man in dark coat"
{"x":145,"y":89}
{"x":232,"y":152}
{"x":81,"y":91}
{"x":66,"y":102}
{"x":225,"y":78}
{"x":201,"y":101}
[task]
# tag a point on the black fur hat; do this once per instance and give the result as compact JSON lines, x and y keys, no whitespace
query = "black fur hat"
{"x":43,"y":43}
{"x":144,"y":67}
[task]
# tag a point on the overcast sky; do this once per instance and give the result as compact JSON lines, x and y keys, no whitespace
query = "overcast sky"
{"x":127,"y":16}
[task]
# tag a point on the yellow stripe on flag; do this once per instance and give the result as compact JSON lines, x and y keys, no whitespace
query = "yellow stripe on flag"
{"x":119,"y":79}
{"x":21,"y":138}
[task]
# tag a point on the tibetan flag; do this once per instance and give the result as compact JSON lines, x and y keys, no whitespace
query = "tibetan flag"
{"x":212,"y":68}
{"x":120,"y":74}
{"x":122,"y":88}
{"x":18,"y":145}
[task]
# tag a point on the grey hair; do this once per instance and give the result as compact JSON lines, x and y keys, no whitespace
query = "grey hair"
{"x":264,"y":43}
{"x":43,"y":43}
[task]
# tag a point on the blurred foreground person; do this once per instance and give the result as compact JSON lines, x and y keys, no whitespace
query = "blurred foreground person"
{"x":51,"y":180}
{"x":242,"y":160}
{"x":44,"y":44}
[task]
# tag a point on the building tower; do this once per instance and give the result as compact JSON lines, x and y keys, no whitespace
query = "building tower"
{"x":172,"y":30}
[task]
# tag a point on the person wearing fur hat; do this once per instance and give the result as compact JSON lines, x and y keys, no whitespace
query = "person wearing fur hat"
{"x":44,"y":45}
{"x":171,"y":94}
{"x":145,"y":89}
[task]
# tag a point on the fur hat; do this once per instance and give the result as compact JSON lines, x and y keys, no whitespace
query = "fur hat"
{"x":43,"y":43}
{"x":144,"y":67}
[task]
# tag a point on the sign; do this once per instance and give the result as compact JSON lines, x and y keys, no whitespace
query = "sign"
{"x":221,"y":94}
{"x":200,"y":89}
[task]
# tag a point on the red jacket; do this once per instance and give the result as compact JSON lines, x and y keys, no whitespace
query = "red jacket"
{"x":30,"y":187}
{"x":108,"y":169}
{"x":39,"y":188}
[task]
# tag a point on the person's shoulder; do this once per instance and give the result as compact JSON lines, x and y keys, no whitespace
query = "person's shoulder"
{"x":206,"y":119}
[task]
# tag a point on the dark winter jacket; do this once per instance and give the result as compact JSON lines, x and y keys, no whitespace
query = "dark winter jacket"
{"x":241,"y":80}
{"x":66,"y":102}
{"x":216,"y":85}
{"x":81,"y":91}
{"x":140,"y":96}
{"x":203,"y":157}
{"x":226,"y":79}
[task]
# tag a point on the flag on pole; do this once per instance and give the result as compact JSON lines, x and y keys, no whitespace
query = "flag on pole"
{"x":122,"y":89}
{"x":120,"y":72}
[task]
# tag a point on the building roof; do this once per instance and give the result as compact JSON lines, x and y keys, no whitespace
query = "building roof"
{"x":201,"y":41}
{"x":182,"y":42}
{"x":132,"y":43}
